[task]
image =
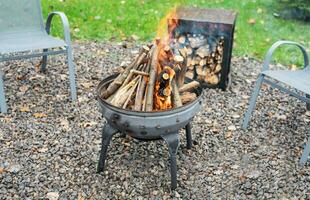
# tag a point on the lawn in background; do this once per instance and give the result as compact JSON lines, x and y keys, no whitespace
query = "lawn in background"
{"x":256,"y":30}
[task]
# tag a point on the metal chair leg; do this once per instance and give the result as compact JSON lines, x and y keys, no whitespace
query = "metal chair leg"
{"x":255,"y":94}
{"x":308,"y":104}
{"x":189,"y":141}
{"x":71,"y":73}
{"x":107,"y":133}
{"x":44,"y":62}
{"x":3,"y":106}
{"x":305,"y":154}
{"x":173,"y":141}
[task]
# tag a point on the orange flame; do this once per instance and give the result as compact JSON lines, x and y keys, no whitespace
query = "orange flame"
{"x":164,"y":60}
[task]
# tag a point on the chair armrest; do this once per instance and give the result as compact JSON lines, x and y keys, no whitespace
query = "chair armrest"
{"x":270,"y":52}
{"x":65,"y":24}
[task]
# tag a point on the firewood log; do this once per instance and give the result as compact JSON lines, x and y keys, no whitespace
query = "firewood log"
{"x":131,"y":92}
{"x":189,"y":51}
{"x":203,"y":51}
{"x":212,"y":79}
{"x":196,"y":42}
{"x":122,"y":94}
{"x":189,"y":74}
{"x":189,"y":86}
{"x":141,"y":91}
{"x":121,"y":77}
{"x":217,"y":69}
{"x":191,"y":67}
{"x":176,"y":95}
{"x":182,"y":39}
{"x":178,"y":59}
{"x":203,"y":62}
{"x":189,"y":62}
{"x":152,"y":79}
{"x":188,"y":97}
{"x":133,"y":70}
{"x":137,"y":72}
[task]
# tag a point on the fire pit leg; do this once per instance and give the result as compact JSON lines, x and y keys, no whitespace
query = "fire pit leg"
{"x":189,"y":142}
{"x":172,"y":139}
{"x":107,"y":133}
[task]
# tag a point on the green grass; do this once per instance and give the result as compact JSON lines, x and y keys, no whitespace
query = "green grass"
{"x":104,"y":20}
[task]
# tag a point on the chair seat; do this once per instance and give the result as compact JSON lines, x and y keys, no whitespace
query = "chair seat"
{"x":27,"y":42}
{"x":297,"y":79}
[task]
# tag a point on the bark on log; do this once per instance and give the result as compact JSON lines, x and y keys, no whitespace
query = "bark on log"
{"x":121,"y":77}
{"x":152,"y":79}
{"x":176,"y":95}
{"x":189,"y":74}
{"x":130,"y":93}
{"x":189,"y":86}
{"x":188,"y":97}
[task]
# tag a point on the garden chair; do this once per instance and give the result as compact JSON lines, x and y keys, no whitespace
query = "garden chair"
{"x":298,"y":83}
{"x":22,"y":30}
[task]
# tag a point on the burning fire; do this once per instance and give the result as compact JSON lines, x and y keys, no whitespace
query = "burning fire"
{"x":165,"y":62}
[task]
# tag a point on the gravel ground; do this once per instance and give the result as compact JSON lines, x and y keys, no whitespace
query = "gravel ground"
{"x":50,"y":146}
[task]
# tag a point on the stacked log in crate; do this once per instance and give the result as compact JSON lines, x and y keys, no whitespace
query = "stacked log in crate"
{"x":203,"y":59}
{"x":147,"y":85}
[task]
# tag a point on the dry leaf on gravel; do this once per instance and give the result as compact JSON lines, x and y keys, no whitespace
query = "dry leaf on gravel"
{"x":24,"y":109}
{"x":87,"y":85}
{"x":2,"y":170}
{"x":39,"y":115}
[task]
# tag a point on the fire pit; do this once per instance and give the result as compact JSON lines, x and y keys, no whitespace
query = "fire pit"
{"x":147,"y":125}
{"x":154,"y":96}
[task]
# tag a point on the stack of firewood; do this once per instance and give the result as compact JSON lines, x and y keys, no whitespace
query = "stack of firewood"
{"x":147,"y":85}
{"x":202,"y":56}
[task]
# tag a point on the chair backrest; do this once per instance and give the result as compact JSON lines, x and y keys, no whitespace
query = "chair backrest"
{"x":20,"y":16}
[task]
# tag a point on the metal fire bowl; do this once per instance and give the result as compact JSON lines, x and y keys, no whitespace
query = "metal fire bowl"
{"x":147,"y":125}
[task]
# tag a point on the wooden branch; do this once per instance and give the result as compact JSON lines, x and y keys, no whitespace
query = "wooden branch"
{"x":134,"y":69}
{"x":140,"y":94}
{"x":119,"y":97}
{"x":122,"y":77}
{"x":137,"y":72}
{"x":176,"y":95}
{"x":181,"y":76}
{"x":152,"y":79}
{"x":189,"y":86}
{"x":130,"y":92}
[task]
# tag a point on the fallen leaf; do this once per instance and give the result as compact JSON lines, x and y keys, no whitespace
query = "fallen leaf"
{"x":43,"y":150}
{"x":2,"y":170}
{"x":24,"y":109}
{"x":80,"y":197}
{"x":251,"y":21}
{"x":87,"y":85}
{"x":88,"y":124}
{"x":39,"y":115}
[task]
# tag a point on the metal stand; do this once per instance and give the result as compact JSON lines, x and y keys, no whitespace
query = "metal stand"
{"x":107,"y":133}
{"x":189,"y":141}
{"x":172,"y":139}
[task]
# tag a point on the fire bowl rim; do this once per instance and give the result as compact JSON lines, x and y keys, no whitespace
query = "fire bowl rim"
{"x":102,"y":101}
